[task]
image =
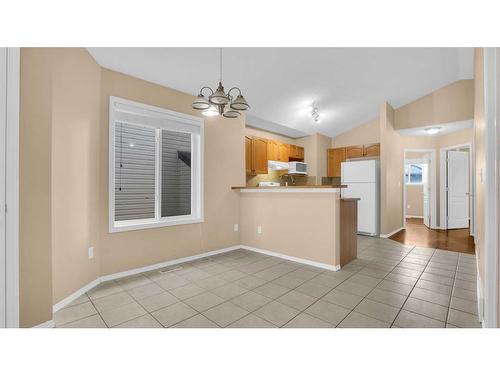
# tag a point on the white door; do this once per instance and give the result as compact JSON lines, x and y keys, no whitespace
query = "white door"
{"x":3,"y":123}
{"x":425,"y":192}
{"x":458,"y":189}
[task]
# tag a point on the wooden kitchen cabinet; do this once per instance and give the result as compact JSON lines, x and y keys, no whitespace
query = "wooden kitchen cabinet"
{"x":284,"y":152}
{"x":335,"y":157}
{"x":296,"y":153}
{"x":371,"y":149}
{"x":272,"y":150}
{"x":249,"y":155}
{"x":300,"y":152}
{"x":354,"y":152}
{"x":260,"y":155}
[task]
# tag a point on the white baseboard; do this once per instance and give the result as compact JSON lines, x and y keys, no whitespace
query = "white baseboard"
{"x":293,"y":259}
{"x":414,"y":217}
{"x":66,"y":301}
{"x":48,"y":324}
{"x":392,"y":233}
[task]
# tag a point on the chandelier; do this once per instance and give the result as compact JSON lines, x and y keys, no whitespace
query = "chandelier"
{"x":218,"y":102}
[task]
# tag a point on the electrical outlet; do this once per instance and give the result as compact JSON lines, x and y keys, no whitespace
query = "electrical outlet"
{"x":408,"y":206}
{"x":91,"y":252}
{"x":259,"y":229}
{"x":236,"y":227}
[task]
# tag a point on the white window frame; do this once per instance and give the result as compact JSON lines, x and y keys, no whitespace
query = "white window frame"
{"x":158,"y":118}
{"x":409,"y":163}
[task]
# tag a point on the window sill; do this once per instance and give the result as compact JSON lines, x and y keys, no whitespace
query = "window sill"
{"x":124,"y":226}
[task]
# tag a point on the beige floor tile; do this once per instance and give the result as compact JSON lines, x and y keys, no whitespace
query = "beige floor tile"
{"x":412,"y":266}
{"x":288,"y":281}
{"x":172,"y":282}
{"x":297,"y":300}
{"x":232,"y":275}
{"x":93,"y":321}
{"x":464,"y":305}
{"x":377,"y":310}
{"x":196,"y":275}
{"x":353,"y":288}
{"x":437,"y":279}
{"x":197,"y":321}
{"x":271,"y":290}
{"x":304,"y":274}
{"x":229,"y":291}
{"x":430,"y":296}
{"x":104,"y":289}
{"x":357,"y":320}
{"x":145,"y":321}
{"x":134,"y":281}
{"x":225,"y":314}
{"x":304,"y":320}
{"x":251,"y":321}
{"x":73,"y":313}
{"x":428,"y":309}
{"x":312,"y":289}
{"x":277,"y":313}
{"x":83,"y":298}
{"x":250,"y":282}
{"x":158,"y":301}
{"x":250,"y":301}
{"x":387,"y":297}
{"x":145,"y":291}
{"x":435,"y":287}
{"x":327,"y":312}
{"x":407,"y":272}
{"x":465,"y":294}
{"x":173,"y":314}
{"x":113,"y":301}
{"x":364,"y":280}
{"x":440,"y":272}
{"x":187,"y":291}
{"x":374,"y":272}
{"x":462,"y":319}
{"x":122,"y":314}
{"x":407,"y":319}
{"x":204,"y":301}
{"x":394,"y":287}
{"x":443,"y":266}
{"x":466,"y":277}
{"x":347,"y":300}
{"x":402,"y":279}
{"x":211,"y":282}
{"x":467,"y":285}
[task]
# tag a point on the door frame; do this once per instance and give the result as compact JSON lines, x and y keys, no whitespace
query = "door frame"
{"x":432,"y":184}
{"x":490,"y":177}
{"x":11,"y":172}
{"x":443,"y":198}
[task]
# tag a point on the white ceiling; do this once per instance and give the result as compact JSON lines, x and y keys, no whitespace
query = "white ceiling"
{"x":448,"y":128}
{"x":347,"y":84}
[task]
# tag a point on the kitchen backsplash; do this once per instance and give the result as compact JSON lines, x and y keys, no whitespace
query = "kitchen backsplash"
{"x":275,"y":176}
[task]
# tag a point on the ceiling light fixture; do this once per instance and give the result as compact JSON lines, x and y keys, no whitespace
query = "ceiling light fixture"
{"x":217,"y":101}
{"x":432,"y":131}
{"x":315,"y":113}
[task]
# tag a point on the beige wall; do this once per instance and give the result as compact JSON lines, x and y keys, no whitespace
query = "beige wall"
{"x":414,"y":200}
{"x":391,"y":173}
{"x":35,"y":212}
{"x":75,"y":169}
{"x":368,"y":132}
{"x":224,"y":161}
{"x":451,"y":103}
{"x":250,"y":131}
{"x":289,"y":223}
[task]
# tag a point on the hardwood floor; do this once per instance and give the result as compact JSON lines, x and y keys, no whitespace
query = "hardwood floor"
{"x":418,"y":234}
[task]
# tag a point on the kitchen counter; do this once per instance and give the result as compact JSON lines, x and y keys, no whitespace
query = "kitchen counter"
{"x":292,"y":188}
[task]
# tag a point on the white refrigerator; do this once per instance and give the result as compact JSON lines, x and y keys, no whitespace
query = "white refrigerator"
{"x":362,"y":178}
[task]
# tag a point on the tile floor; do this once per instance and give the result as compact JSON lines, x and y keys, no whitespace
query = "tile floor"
{"x":389,"y":285}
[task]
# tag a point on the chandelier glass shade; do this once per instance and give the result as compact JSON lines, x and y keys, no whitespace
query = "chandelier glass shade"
{"x":218,"y":102}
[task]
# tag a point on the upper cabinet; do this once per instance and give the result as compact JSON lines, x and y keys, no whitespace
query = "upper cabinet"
{"x":336,"y":156}
{"x":258,"y":151}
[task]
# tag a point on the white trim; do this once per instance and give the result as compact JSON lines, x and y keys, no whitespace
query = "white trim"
{"x":414,"y":217}
{"x":66,"y":301}
{"x":47,"y":324}
{"x":292,"y":258}
{"x":392,"y":233}
{"x":168,"y":263}
{"x":291,"y":190}
{"x":157,"y":118}
{"x":73,"y":296}
{"x":490,"y":175}
{"x":443,"y":207}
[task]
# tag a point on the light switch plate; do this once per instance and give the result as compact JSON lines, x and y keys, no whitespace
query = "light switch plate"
{"x":91,"y":252}
{"x":236,"y":227}
{"x":259,"y":229}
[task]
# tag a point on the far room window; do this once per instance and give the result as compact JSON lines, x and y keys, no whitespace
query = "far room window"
{"x":413,"y":173}
{"x":155,"y":167}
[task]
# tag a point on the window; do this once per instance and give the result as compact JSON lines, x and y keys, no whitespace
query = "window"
{"x":413,"y":174}
{"x":155,"y":174}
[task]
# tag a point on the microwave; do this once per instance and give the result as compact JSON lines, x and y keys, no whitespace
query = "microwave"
{"x":297,"y":167}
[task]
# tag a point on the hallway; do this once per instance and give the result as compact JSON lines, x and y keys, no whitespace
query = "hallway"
{"x":418,"y":234}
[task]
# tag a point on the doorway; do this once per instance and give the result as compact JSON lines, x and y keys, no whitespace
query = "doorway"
{"x":457,"y":188}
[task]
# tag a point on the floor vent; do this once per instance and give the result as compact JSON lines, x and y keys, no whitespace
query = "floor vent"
{"x":171,"y":269}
